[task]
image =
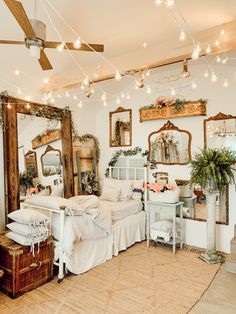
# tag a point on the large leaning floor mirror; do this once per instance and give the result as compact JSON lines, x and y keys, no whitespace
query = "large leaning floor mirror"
{"x":37,"y":151}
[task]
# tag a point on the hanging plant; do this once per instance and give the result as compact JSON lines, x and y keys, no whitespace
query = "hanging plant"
{"x":2,"y":94}
{"x":84,"y":138}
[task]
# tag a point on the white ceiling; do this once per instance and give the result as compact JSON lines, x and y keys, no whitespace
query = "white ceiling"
{"x":122,"y":26}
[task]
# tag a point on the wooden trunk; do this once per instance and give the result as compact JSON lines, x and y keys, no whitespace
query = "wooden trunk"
{"x":23,"y":271}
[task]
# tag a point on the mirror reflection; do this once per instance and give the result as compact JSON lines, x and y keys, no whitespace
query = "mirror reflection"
{"x":121,"y":127}
{"x":220,"y":131}
{"x":31,"y":163}
{"x":51,"y":162}
{"x":169,"y":145}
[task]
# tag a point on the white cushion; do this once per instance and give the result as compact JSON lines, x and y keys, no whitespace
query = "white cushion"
{"x":52,"y":202}
{"x":162,"y":225}
{"x":125,"y":187}
{"x":23,"y":240}
{"x":27,"y":216}
{"x":58,"y":190}
{"x":86,"y":201}
{"x":111,"y":194}
{"x":23,"y":229}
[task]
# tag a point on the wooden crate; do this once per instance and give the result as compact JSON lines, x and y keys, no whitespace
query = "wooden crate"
{"x":23,"y":271}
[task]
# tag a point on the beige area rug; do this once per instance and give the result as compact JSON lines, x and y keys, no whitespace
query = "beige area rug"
{"x":139,"y":280}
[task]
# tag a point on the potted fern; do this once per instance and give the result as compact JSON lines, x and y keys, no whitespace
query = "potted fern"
{"x":212,"y":169}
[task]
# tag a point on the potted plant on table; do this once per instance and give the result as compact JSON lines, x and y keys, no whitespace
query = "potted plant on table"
{"x":212,"y":169}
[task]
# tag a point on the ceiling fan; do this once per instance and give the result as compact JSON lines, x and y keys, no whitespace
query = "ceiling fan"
{"x":35,"y":36}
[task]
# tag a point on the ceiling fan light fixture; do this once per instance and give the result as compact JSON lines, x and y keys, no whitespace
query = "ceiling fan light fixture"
{"x":34,"y":51}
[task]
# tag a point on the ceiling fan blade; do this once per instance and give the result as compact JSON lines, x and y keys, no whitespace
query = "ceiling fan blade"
{"x":44,"y":62}
{"x":70,"y":46}
{"x":20,"y":15}
{"x":12,"y":42}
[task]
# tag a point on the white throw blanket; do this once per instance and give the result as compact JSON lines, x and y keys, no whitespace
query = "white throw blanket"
{"x":94,"y":223}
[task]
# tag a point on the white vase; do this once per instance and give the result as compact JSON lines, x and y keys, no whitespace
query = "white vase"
{"x":164,"y":197}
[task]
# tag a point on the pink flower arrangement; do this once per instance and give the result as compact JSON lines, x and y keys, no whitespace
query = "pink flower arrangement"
{"x":157,"y":188}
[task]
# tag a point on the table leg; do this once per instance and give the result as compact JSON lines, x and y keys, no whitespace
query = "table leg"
{"x":174,"y":231}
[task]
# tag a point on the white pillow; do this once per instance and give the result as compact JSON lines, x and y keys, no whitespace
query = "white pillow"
{"x":124,"y":185}
{"x":58,"y":191}
{"x":52,"y":202}
{"x":23,"y":240}
{"x":162,"y":225}
{"x":111,"y":194}
{"x":27,"y":216}
{"x":86,"y":201}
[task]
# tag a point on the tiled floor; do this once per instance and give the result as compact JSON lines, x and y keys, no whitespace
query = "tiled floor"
{"x":139,"y":280}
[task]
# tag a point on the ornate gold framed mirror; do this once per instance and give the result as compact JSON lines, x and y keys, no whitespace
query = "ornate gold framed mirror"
{"x":169,"y":145}
{"x":31,"y":163}
{"x":220,"y":131}
{"x":120,"y":127}
{"x":51,"y":162}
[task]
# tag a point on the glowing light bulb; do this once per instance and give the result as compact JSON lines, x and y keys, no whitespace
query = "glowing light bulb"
{"x":104,"y":96}
{"x":117,"y":75}
{"x":80,"y":104}
{"x":147,"y":73}
{"x":194,"y":85}
{"x":196,"y":52}
{"x":27,"y":98}
{"x":60,"y":47}
{"x":74,"y":97}
{"x":19,"y":91}
{"x":226,"y":83}
{"x":172,"y":92}
{"x":58,"y":96}
{"x":144,"y":45}
{"x":28,"y":106}
{"x":182,"y":35}
{"x":169,"y":4}
{"x":148,"y":90}
{"x":218,"y":59}
{"x":104,"y":103}
{"x":118,"y":100}
{"x":127,"y":96}
{"x":46,"y":80}
{"x":217,"y":43}
{"x":158,"y":3}
{"x":8,"y":106}
{"x":222,"y":32}
{"x":52,"y":100}
{"x":67,"y":95}
{"x":224,"y":60}
{"x":122,"y":95}
{"x":86,"y":81}
{"x":206,"y":74}
{"x":208,"y":50}
{"x":214,"y":77}
{"x":17,"y":72}
{"x":77,"y":43}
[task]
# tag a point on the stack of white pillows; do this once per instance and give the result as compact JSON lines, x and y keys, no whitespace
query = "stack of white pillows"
{"x":29,"y":227}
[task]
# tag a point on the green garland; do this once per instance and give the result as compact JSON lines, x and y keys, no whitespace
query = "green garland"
{"x":84,"y":138}
{"x":179,"y":103}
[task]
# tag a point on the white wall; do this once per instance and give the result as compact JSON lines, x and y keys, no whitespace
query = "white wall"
{"x":219,"y":99}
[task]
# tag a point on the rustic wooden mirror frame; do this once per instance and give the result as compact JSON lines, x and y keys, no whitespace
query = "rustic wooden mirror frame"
{"x":120,"y":110}
{"x":12,"y":106}
{"x":49,"y":149}
{"x":168,"y":126}
{"x":29,"y":153}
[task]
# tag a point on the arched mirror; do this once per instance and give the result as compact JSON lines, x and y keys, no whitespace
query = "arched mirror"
{"x":120,"y":127}
{"x":31,"y":163}
{"x":169,"y":145}
{"x":51,"y":162}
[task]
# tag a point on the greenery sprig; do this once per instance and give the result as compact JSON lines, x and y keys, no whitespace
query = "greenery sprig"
{"x":84,"y":138}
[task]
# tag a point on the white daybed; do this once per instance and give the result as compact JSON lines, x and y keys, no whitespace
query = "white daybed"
{"x":83,"y":242}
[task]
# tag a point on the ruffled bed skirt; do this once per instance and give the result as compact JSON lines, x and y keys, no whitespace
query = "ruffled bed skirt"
{"x":90,"y":253}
